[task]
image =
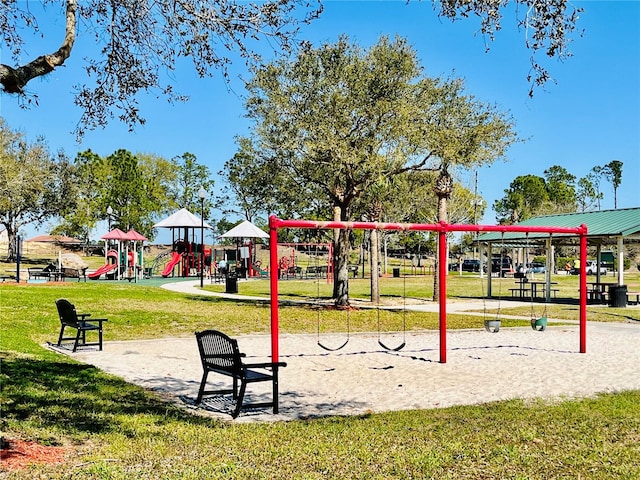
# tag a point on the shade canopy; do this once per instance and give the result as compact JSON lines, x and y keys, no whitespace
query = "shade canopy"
{"x":135,"y":236}
{"x":182,"y":218}
{"x":245,"y":230}
{"x":115,"y":234}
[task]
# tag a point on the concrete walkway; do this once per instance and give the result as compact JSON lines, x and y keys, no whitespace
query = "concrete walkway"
{"x":466,"y":306}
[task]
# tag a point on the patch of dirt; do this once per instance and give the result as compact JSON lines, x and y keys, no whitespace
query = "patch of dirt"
{"x":17,"y":454}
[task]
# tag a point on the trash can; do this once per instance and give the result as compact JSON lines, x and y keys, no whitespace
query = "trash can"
{"x":618,"y":296}
{"x":231,"y":284}
{"x":396,"y":273}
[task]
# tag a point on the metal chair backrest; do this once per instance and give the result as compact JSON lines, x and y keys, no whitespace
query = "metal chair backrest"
{"x":67,"y":312}
{"x":219,"y":352}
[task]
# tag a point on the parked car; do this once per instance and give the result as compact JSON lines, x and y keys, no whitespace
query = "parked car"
{"x":592,"y":268}
{"x":501,"y":264}
{"x":536,"y":267}
{"x":471,"y":265}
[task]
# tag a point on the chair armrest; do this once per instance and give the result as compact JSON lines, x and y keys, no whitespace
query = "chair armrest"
{"x":264,"y":365}
{"x":82,"y":316}
{"x":95,"y":320}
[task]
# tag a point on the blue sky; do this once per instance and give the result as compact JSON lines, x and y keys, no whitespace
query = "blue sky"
{"x":589,"y":115}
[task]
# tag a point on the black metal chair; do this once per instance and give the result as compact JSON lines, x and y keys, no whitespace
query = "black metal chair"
{"x":70,"y":318}
{"x":220,"y":354}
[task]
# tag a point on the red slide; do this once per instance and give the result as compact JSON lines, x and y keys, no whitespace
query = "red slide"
{"x":175,"y":258}
{"x":102,"y":270}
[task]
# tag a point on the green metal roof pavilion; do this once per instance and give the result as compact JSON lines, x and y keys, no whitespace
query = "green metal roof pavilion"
{"x":604,"y":226}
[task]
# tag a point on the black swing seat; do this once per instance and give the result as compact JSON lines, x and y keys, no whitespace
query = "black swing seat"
{"x":220,"y":354}
{"x":333,"y":349}
{"x":70,"y":318}
{"x":394,"y":349}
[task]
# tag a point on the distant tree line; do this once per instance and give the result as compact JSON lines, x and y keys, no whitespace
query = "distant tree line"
{"x":558,"y":191}
{"x":126,"y":190}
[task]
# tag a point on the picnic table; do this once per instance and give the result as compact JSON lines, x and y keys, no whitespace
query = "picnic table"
{"x":598,"y":291}
{"x":529,"y":288}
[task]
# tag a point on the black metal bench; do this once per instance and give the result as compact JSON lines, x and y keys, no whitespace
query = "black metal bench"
{"x":220,"y":354}
{"x":70,"y":318}
{"x":38,"y":273}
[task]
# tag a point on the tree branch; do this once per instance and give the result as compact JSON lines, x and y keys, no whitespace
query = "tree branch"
{"x":13,"y":80}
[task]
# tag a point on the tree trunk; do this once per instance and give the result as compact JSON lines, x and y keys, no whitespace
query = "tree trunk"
{"x":443,"y":188}
{"x":341,"y":269}
{"x":374,"y":266}
{"x":340,"y":262}
{"x":11,"y":246}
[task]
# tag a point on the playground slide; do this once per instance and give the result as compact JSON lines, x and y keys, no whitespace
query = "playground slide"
{"x":102,"y":270}
{"x":175,"y":258}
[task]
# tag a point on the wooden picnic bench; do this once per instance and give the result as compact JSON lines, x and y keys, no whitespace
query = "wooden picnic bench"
{"x":70,"y":318}
{"x":220,"y":354}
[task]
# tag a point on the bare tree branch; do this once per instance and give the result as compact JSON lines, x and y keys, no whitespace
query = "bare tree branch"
{"x":13,"y":80}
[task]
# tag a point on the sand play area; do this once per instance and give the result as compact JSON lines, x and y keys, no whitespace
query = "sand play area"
{"x":363,"y":377}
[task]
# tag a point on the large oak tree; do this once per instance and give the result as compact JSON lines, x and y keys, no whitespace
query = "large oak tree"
{"x":336,"y":123}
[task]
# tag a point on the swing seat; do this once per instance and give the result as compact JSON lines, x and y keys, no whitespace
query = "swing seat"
{"x":539,"y":324}
{"x":394,"y":349}
{"x":492,"y":326}
{"x":333,"y":349}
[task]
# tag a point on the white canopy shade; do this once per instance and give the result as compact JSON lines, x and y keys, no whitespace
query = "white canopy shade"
{"x":182,"y":218}
{"x":245,"y":230}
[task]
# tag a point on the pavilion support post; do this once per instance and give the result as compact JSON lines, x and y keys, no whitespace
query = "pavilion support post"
{"x":547,"y":275}
{"x":489,"y":268}
{"x":620,"y":261}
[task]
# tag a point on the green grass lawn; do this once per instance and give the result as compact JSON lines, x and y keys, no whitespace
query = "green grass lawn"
{"x":115,"y":430}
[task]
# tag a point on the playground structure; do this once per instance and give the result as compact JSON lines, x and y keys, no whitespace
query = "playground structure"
{"x":245,"y":255}
{"x":126,"y":260}
{"x":111,"y":257}
{"x":291,"y":266}
{"x":189,"y":256}
{"x":442,"y":230}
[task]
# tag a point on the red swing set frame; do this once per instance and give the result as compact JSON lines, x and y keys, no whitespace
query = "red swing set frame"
{"x":442,"y":228}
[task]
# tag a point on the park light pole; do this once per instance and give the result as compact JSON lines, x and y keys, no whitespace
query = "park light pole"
{"x":202,"y":194}
{"x":109,"y":213}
